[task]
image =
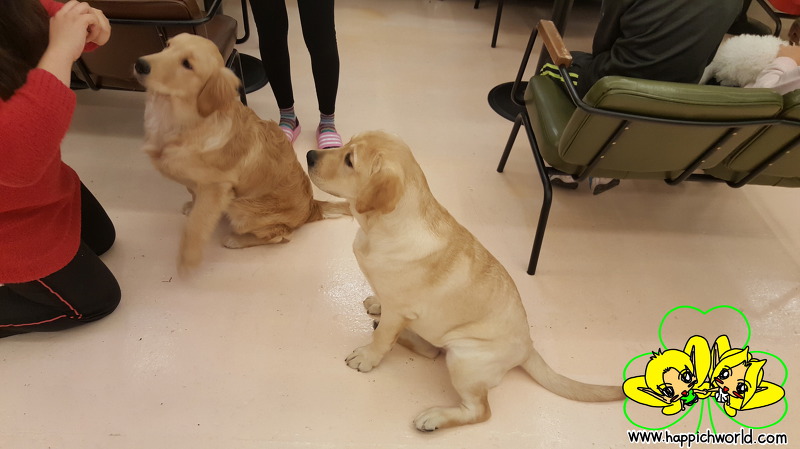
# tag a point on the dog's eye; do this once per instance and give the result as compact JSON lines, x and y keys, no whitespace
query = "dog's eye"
{"x":347,"y":160}
{"x":187,"y":64}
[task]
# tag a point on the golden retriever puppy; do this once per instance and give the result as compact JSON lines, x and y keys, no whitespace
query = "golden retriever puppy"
{"x":199,"y":134}
{"x":433,"y":278}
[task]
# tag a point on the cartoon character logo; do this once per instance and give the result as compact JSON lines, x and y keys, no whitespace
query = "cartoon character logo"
{"x":737,"y":379}
{"x":690,"y":381}
{"x":674,"y":379}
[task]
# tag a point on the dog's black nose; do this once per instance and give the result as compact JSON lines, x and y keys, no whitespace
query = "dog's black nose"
{"x":141,"y":67}
{"x":311,"y":157}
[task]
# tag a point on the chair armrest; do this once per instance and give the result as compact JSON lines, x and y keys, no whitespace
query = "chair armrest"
{"x":554,"y":44}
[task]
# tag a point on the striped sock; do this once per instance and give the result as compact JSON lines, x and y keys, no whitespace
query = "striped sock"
{"x":288,"y":119}
{"x":326,"y":123}
{"x":327,"y":137}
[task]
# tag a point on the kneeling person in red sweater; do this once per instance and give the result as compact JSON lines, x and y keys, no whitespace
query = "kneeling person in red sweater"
{"x":52,"y":229}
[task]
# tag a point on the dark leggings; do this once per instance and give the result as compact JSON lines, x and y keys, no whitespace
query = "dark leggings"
{"x":81,"y":292}
{"x":319,"y":33}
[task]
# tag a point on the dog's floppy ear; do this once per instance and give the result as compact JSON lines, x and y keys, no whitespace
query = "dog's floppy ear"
{"x":382,"y":192}
{"x":220,"y":88}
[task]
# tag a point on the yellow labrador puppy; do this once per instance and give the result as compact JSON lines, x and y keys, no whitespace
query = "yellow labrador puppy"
{"x":433,"y":278}
{"x":199,"y":134}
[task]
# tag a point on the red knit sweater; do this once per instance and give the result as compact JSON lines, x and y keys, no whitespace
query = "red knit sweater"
{"x":40,"y":213}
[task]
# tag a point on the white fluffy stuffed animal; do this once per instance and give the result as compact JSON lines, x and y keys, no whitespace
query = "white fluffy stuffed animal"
{"x":740,"y":59}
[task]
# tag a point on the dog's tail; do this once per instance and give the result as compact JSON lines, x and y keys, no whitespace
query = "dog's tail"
{"x":566,"y":387}
{"x":327,"y":209}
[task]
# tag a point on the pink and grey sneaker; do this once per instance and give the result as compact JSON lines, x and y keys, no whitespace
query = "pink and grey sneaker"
{"x":291,"y":132}
{"x":327,"y":137}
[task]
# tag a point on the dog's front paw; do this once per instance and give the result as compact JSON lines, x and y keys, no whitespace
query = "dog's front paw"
{"x":372,"y":305}
{"x":363,"y":360}
{"x":430,"y":419}
{"x":189,"y":259}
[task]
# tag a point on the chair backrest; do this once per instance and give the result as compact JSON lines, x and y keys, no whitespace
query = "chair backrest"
{"x":647,"y":149}
{"x":111,"y":66}
{"x":149,"y":9}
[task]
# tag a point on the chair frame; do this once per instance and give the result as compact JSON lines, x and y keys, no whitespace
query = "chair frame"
{"x":234,"y":60}
{"x":561,"y":9}
{"x":561,"y":56}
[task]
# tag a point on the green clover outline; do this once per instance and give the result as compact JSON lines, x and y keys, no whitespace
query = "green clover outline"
{"x":661,"y":325}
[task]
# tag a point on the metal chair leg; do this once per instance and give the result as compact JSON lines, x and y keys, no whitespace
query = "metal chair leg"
{"x":497,"y":22}
{"x":546,"y":200}
{"x":245,"y":23}
{"x":511,"y":138}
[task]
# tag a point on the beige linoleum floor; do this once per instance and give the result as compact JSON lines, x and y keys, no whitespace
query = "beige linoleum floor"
{"x":249,"y":352}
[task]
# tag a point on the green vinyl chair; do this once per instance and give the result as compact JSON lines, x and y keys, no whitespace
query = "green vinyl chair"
{"x":630,"y":128}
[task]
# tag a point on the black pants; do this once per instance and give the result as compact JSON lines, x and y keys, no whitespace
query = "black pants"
{"x":319,"y":33}
{"x":81,"y":292}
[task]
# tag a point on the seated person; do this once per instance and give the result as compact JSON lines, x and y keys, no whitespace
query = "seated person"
{"x":794,"y":32}
{"x":662,"y":41}
{"x":52,"y":229}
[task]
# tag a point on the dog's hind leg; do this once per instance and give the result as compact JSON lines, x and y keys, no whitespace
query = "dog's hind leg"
{"x":269,"y":235}
{"x":473,"y":373}
{"x":417,"y":344}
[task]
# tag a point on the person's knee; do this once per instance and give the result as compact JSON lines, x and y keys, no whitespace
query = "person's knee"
{"x":322,"y":44}
{"x":104,"y":302}
{"x":102,"y":242}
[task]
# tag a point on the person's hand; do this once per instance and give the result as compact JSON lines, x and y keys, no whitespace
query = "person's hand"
{"x":69,"y":33}
{"x":70,"y":29}
{"x":101,"y":31}
{"x":794,"y":32}
{"x":792,"y":52}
